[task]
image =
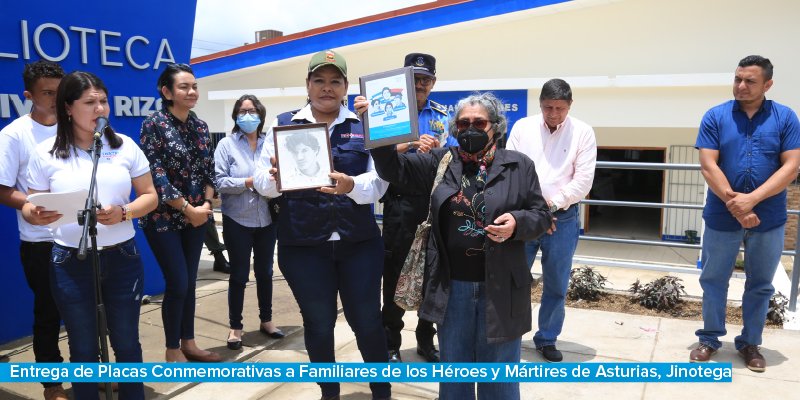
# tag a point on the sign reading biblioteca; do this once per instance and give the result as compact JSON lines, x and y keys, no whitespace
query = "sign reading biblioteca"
{"x":126,"y":44}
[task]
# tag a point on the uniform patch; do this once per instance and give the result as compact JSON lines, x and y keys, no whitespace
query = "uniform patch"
{"x":436,"y":126}
{"x":353,"y":135}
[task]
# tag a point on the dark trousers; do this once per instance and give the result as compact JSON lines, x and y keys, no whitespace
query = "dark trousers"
{"x":212,"y":238}
{"x":242,"y":242}
{"x":401,"y":216}
{"x":35,"y":258}
{"x":316,"y":274}
{"x":392,"y":314}
{"x":178,"y":255}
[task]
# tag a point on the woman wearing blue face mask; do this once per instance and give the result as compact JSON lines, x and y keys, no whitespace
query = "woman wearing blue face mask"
{"x":247,"y":226}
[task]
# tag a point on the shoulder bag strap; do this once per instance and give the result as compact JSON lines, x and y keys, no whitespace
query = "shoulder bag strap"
{"x":439,"y":176}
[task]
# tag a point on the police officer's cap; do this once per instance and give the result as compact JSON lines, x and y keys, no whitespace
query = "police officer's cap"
{"x":422,"y":63}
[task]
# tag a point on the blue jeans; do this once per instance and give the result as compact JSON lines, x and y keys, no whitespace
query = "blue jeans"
{"x":241,"y":242}
{"x":316,"y":274}
{"x":557,"y":252}
{"x":462,"y":339}
{"x":762,"y":252}
{"x":122,"y":279}
{"x":178,"y":255}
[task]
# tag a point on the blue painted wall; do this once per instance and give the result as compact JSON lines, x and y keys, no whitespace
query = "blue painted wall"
{"x":515,"y":101}
{"x":127,"y":44}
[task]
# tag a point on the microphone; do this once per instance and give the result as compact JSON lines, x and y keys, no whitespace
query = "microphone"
{"x":102,"y":123}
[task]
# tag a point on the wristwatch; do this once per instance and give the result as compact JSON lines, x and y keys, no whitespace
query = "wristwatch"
{"x":553,"y":207}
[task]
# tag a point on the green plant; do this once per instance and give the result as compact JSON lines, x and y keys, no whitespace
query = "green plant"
{"x":661,"y":294}
{"x":777,"y":308}
{"x":585,"y":284}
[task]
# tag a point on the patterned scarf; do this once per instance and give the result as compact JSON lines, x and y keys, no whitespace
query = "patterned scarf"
{"x":477,"y":164}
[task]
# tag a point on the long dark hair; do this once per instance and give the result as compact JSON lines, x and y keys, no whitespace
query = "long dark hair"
{"x":167,"y":78}
{"x":70,"y":89}
{"x":262,"y":111}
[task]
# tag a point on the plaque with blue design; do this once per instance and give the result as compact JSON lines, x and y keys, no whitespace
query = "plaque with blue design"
{"x":391,"y":116}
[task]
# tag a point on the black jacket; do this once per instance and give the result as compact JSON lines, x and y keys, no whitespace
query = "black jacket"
{"x":512,"y":186}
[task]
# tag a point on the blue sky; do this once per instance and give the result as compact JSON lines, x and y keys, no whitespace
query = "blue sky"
{"x":223,"y":24}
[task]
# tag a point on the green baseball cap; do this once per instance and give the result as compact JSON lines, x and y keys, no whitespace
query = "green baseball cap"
{"x":328,"y":57}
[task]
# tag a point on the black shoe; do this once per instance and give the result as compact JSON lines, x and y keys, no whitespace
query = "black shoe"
{"x":429,"y":353}
{"x":550,"y":353}
{"x":235,"y":345}
{"x":221,"y":264}
{"x":394,"y":356}
{"x":275,"y":335}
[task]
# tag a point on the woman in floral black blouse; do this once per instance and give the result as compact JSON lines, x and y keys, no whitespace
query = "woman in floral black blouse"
{"x":176,"y":142}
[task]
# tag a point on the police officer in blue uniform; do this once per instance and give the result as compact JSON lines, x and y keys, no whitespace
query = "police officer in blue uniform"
{"x":433,"y":117}
{"x":404,"y":209}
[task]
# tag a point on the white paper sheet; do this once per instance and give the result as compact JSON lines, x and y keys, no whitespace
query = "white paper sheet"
{"x":66,"y":203}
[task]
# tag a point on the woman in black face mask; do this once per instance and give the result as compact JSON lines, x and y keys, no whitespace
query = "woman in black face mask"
{"x":487,"y":205}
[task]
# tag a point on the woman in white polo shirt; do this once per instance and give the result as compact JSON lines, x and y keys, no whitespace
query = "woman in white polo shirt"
{"x":64,"y":164}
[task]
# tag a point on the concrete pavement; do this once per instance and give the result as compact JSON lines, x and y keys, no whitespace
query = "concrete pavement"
{"x":589,"y":336}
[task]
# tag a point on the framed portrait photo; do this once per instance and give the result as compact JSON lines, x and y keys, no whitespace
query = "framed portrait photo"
{"x":391,"y":116}
{"x":303,"y":156}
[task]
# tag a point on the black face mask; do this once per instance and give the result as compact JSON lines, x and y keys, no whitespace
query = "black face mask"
{"x":473,"y":140}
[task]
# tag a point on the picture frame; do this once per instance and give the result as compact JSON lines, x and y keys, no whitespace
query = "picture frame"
{"x":391,"y":115}
{"x":303,"y":157}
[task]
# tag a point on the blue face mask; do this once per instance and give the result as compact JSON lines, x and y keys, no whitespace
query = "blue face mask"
{"x":248,"y":123}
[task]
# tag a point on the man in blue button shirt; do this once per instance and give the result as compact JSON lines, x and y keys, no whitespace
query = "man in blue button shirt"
{"x":749,"y":152}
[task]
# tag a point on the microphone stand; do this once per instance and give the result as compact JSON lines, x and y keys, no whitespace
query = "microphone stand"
{"x":88,"y":219}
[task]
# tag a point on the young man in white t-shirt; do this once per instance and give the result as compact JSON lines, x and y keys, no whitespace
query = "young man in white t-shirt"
{"x":17,"y":143}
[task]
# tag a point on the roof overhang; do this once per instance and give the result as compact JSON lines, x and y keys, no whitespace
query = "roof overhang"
{"x":409,"y":20}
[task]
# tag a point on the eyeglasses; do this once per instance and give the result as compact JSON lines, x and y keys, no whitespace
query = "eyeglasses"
{"x":251,"y":111}
{"x":423,"y":80}
{"x":464,"y":124}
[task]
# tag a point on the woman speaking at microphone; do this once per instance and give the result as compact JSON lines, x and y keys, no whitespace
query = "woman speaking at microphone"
{"x":64,"y":164}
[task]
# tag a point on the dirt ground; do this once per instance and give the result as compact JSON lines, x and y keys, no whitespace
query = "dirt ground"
{"x":618,"y":302}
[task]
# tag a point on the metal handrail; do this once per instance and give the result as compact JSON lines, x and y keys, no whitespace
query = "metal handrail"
{"x":647,"y":166}
{"x":640,"y":204}
{"x":682,"y":167}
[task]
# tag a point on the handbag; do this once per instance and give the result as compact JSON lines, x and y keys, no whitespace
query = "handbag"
{"x":408,"y":294}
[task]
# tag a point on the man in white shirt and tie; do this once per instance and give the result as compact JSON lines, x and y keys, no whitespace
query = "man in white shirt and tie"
{"x":564,"y":151}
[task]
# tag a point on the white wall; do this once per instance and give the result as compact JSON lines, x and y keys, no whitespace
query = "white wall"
{"x":628,"y":37}
{"x":592,"y":47}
